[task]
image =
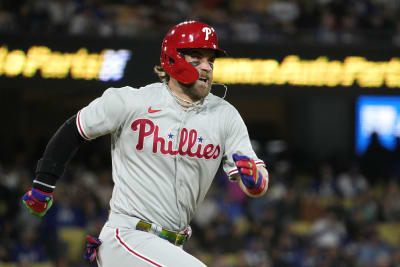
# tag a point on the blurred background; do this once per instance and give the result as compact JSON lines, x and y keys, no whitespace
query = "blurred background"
{"x":317,"y":82}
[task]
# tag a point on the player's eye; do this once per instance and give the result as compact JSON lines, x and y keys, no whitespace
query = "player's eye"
{"x":194,"y":63}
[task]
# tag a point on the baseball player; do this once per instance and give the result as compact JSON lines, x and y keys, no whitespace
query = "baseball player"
{"x":167,"y":141}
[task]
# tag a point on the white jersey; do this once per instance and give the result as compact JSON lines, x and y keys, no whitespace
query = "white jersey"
{"x":163,"y":157}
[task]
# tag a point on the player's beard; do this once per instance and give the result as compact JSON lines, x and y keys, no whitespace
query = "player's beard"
{"x":199,"y":89}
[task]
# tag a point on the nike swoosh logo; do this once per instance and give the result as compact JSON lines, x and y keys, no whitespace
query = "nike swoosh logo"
{"x":150,"y":110}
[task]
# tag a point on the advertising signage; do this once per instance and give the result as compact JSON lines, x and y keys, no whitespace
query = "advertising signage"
{"x":89,"y":63}
{"x":108,"y":65}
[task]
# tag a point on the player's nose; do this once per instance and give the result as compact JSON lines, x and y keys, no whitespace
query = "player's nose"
{"x":206,"y":66}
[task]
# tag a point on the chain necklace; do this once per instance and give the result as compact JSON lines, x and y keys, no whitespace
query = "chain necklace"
{"x":183,"y":102}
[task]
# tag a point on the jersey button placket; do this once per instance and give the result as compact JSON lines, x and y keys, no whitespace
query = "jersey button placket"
{"x":178,"y":164}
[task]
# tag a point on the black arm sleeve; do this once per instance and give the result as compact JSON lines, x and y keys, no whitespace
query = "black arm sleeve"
{"x":60,"y":149}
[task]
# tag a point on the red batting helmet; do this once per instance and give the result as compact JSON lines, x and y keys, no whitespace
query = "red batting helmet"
{"x":188,"y":34}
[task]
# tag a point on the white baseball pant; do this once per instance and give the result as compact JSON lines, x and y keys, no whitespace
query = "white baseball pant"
{"x":123,"y":246}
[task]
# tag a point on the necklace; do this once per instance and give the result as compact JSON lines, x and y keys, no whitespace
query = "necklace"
{"x":183,"y":102}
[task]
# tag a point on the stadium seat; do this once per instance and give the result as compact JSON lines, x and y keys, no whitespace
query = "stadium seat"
{"x":390,"y":233}
{"x":300,"y":227}
{"x":75,"y":240}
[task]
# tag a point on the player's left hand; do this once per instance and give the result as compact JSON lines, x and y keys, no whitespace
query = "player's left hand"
{"x":37,"y":202}
{"x":250,"y":175}
{"x":92,"y":246}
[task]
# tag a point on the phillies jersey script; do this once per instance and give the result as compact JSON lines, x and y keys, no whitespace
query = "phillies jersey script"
{"x":164,"y":157}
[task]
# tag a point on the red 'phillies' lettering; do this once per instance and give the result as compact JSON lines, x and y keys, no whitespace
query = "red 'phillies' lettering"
{"x":198,"y":152}
{"x":187,"y":138}
{"x":192,"y":142}
{"x":157,"y":139}
{"x":208,"y":151}
{"x":182,"y":142}
{"x":142,"y":131}
{"x":215,"y":154}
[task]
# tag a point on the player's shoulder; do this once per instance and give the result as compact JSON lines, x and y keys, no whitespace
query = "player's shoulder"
{"x":152,"y":88}
{"x":118,"y":90}
{"x":128,"y":91}
{"x":219,"y":104}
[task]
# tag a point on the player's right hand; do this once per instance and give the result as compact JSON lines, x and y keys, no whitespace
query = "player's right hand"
{"x":37,"y":202}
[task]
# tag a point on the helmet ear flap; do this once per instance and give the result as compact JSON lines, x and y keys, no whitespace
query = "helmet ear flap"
{"x":178,"y":68}
{"x":184,"y":72}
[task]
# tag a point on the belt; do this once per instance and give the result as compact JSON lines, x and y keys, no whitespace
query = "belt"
{"x":175,"y":238}
{"x":119,"y":220}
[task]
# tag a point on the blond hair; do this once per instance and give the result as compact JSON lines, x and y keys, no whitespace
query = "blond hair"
{"x":162,"y":75}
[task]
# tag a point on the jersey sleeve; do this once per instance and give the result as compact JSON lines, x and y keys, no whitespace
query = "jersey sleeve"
{"x":103,"y":115}
{"x":237,"y":141}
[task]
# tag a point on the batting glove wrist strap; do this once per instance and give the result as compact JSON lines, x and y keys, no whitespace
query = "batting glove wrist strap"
{"x":37,"y":202}
{"x":251,"y":177}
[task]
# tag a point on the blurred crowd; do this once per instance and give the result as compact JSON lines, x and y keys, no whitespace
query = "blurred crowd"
{"x":331,"y":213}
{"x":325,"y":21}
{"x":322,"y":214}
